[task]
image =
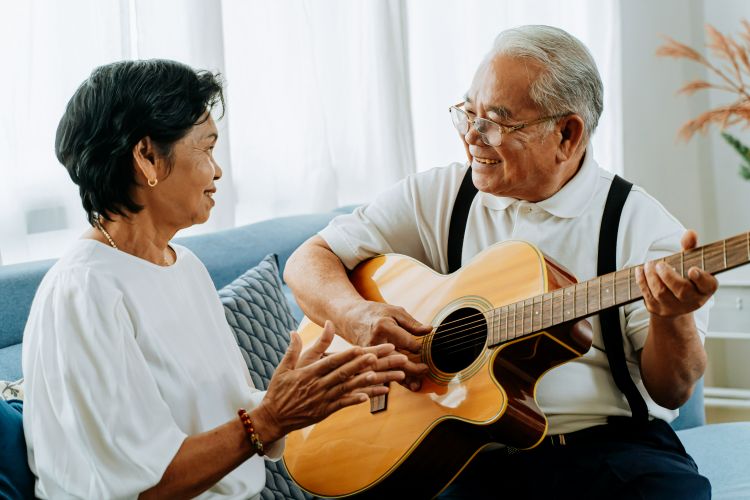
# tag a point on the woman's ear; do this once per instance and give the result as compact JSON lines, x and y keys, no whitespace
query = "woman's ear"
{"x":144,"y":154}
{"x":571,"y":136}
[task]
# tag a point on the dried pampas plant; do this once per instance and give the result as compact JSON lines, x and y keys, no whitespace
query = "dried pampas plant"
{"x":732,"y":72}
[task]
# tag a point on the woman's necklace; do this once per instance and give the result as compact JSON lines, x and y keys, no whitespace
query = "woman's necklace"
{"x":106,"y":234}
{"x":99,"y":226}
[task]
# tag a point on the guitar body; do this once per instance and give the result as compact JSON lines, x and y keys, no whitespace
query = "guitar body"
{"x":474,"y":395}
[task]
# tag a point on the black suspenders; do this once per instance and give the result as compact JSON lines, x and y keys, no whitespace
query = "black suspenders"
{"x":610,"y":318}
{"x":460,"y":214}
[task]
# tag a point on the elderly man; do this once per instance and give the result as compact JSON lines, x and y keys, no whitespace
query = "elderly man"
{"x":526,"y":122}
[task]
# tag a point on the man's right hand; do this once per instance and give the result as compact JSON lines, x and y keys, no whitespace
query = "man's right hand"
{"x":373,"y":323}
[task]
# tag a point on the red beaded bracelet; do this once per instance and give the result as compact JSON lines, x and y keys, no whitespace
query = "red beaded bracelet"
{"x":252,"y":436}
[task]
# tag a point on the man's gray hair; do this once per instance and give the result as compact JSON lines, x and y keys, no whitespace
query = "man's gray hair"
{"x":570,"y":81}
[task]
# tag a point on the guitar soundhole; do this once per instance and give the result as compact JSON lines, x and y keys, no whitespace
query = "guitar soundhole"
{"x":459,"y":339}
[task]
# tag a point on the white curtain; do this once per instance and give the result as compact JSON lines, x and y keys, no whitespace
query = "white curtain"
{"x":319,"y":96}
{"x":329,"y":102}
{"x":48,"y":49}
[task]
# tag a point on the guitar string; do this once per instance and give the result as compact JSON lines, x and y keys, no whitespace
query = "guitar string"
{"x":460,"y":329}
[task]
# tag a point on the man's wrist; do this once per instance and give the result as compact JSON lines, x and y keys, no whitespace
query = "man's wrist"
{"x":681,"y":323}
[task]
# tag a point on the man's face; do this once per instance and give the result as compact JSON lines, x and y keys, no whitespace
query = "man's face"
{"x":525,"y":165}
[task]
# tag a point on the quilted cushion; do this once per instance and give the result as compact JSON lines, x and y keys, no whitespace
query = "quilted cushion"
{"x":257,"y":311}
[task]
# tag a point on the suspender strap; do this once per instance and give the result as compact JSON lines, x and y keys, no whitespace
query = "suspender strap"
{"x":460,"y":214}
{"x":610,"y":318}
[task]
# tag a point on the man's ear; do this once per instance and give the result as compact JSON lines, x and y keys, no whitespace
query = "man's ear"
{"x":144,"y":155}
{"x":571,"y":136}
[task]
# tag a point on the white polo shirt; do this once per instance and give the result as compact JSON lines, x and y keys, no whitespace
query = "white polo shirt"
{"x":413,"y":217}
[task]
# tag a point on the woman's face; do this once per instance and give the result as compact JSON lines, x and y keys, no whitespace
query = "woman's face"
{"x":184,"y":193}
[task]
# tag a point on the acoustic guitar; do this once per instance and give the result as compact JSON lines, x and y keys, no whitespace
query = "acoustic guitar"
{"x":500,"y":323}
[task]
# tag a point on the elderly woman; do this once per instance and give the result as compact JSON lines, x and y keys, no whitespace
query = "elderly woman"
{"x":134,"y":383}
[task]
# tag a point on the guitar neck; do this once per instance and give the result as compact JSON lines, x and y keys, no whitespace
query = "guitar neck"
{"x":581,"y":300}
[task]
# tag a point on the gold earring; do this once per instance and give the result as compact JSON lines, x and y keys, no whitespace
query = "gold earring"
{"x":153,"y":182}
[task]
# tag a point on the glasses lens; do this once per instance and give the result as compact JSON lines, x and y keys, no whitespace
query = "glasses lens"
{"x":490,"y":131}
{"x":460,"y":120}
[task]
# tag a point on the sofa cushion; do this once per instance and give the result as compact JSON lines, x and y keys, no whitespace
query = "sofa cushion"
{"x":257,"y":311}
{"x":722,"y":453}
{"x":16,"y":480}
{"x":11,"y":389}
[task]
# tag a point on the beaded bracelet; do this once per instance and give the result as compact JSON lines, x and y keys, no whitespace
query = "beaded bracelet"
{"x":252,"y":436}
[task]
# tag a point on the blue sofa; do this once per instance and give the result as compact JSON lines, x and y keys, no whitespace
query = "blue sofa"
{"x":722,"y":451}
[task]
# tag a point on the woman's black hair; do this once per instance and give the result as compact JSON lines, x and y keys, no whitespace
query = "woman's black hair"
{"x":116,"y":107}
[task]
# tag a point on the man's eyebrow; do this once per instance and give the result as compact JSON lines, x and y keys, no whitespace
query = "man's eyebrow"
{"x":502,"y":112}
{"x":212,"y":135}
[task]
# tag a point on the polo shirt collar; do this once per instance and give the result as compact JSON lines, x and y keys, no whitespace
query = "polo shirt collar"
{"x":568,"y":202}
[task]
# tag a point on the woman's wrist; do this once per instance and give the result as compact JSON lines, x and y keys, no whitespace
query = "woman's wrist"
{"x":266,"y":425}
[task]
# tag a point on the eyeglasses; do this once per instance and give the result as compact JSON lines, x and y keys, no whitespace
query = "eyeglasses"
{"x":492,"y":133}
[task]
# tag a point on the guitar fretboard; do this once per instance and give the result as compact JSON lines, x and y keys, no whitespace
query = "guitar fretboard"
{"x":580,"y":300}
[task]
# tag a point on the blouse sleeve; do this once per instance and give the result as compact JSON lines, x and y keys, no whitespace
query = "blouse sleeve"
{"x":96,"y":424}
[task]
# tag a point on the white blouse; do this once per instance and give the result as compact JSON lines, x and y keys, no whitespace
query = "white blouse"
{"x":123,"y":359}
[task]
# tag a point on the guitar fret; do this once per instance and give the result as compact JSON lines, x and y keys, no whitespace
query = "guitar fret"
{"x":607,"y":296}
{"x":618,"y":291}
{"x":559,"y":297}
{"x":494,"y":333}
{"x":614,"y":287}
{"x":547,"y":305}
{"x":630,"y":285}
{"x":715,"y":258}
{"x":499,"y":326}
{"x":528,"y":306}
{"x":507,"y":313}
{"x":736,"y":250}
{"x":567,"y":311}
{"x":518,"y":321}
{"x":587,"y":298}
{"x":682,"y":264}
{"x":536,"y":322}
{"x":552,"y":307}
{"x":592,"y":293}
{"x":724,"y":243}
{"x":580,"y":300}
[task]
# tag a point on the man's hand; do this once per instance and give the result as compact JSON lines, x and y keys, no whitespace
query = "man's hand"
{"x":673,"y":357}
{"x":374,"y":323}
{"x":667,"y":294}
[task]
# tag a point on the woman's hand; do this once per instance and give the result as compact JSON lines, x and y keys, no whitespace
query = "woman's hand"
{"x":308,"y":387}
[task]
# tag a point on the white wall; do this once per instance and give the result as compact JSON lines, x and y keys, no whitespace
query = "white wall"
{"x":698,"y":180}
{"x":731,"y":192}
{"x":674,"y":172}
